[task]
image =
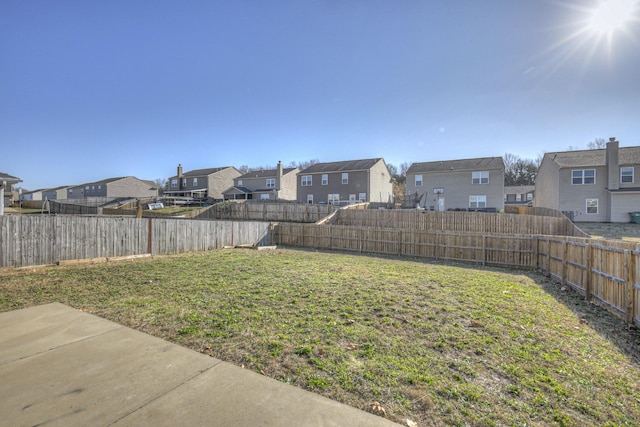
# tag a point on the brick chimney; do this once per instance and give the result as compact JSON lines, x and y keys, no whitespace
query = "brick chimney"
{"x":613,"y":164}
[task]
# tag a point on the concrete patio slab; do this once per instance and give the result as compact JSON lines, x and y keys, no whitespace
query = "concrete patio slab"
{"x":62,"y":367}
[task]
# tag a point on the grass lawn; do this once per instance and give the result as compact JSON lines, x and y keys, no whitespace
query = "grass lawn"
{"x":438,"y":344}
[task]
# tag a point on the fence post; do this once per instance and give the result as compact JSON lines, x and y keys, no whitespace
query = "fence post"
{"x":587,"y":283}
{"x":484,"y":250}
{"x":149,"y":237}
{"x":629,"y":267}
{"x":564,"y":260}
{"x":437,"y":251}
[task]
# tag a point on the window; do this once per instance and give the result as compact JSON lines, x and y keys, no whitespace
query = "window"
{"x":93,"y":188}
{"x":307,"y":180}
{"x":174,"y":183}
{"x":325,"y":179}
{"x":362,"y":197}
{"x":310,"y":198}
{"x":529,"y":197}
{"x":239,"y":183}
{"x":271,"y":183}
{"x":626,"y":174}
{"x":518,"y":197}
{"x":86,"y":188}
{"x":99,"y":187}
{"x":477,"y":202}
{"x":480,"y":177}
{"x":592,"y":206}
{"x":71,"y":191}
{"x":264,"y":197}
{"x":345,"y":177}
{"x":195,"y":182}
{"x":334,"y":199}
{"x":583,"y":176}
{"x":418,"y":180}
{"x":184,"y":182}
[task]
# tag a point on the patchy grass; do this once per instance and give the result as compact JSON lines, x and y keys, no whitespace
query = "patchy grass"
{"x":438,"y":344}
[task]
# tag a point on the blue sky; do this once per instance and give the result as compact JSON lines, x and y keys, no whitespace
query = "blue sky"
{"x":97,"y":89}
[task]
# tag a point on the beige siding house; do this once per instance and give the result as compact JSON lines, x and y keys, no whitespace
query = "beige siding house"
{"x":57,"y":193}
{"x":346,"y":182}
{"x":128,"y":186}
{"x":8,"y":195}
{"x":468,"y":184}
{"x":201,"y":183}
{"x":267,"y":185}
{"x":591,"y":185}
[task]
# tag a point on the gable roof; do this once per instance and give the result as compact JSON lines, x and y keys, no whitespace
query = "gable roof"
{"x":264,"y":173}
{"x":348,"y":165}
{"x":578,"y":158}
{"x":7,"y":177}
{"x":201,"y":172}
{"x":481,"y":163}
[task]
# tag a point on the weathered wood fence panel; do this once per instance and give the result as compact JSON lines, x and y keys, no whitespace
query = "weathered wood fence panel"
{"x":28,"y":240}
{"x":467,"y":222}
{"x":606,"y":272}
{"x":257,"y":211}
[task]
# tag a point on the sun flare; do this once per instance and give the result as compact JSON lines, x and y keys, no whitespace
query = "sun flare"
{"x":612,"y":15}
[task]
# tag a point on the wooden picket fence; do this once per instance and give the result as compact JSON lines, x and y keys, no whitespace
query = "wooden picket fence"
{"x":258,"y":211}
{"x":467,"y":222}
{"x":606,"y":272}
{"x":29,"y":240}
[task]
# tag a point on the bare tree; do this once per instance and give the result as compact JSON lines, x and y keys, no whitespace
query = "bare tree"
{"x":161,"y":183}
{"x":243,"y":169}
{"x":519,"y":171}
{"x":597,"y":143}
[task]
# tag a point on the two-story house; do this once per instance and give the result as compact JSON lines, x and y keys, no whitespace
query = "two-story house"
{"x":346,"y":182}
{"x":201,"y":184}
{"x":127,"y":186}
{"x":267,"y":185}
{"x":7,"y":193}
{"x":591,"y":185}
{"x":519,"y":195}
{"x":467,"y":184}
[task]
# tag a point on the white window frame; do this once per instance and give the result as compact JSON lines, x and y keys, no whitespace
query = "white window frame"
{"x":265,"y":196}
{"x":477,"y":201}
{"x":310,"y":199}
{"x":581,"y":177}
{"x":239,"y":183}
{"x":480,"y":177}
{"x":529,"y":197}
{"x":419,"y":180}
{"x":306,"y":180}
{"x":591,"y":206}
{"x":184,"y":182}
{"x":325,"y":179}
{"x":174,"y":183}
{"x":345,"y":177}
{"x":195,"y":182}
{"x":333,"y":198}
{"x":362,"y":197}
{"x":271,"y":183}
{"x":627,"y":169}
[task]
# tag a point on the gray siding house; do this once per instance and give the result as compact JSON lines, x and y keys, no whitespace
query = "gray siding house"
{"x":201,"y":183}
{"x":519,"y":195}
{"x":128,"y":186}
{"x":591,"y":185}
{"x":346,"y":182}
{"x":57,"y":193}
{"x":468,"y":184}
{"x":268,"y":185}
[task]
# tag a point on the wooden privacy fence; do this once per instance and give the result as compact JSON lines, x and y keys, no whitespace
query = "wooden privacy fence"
{"x":606,"y":272}
{"x":256,"y":211}
{"x":29,"y":240}
{"x":465,"y":222}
